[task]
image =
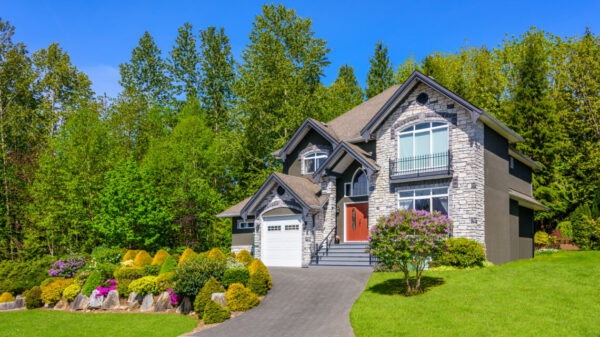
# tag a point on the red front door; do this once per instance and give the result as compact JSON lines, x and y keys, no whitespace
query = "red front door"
{"x":357,"y":226}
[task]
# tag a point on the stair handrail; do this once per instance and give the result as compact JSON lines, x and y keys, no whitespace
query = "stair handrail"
{"x":327,"y":242}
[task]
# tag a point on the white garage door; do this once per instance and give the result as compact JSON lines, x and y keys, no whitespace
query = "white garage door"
{"x":282,"y":241}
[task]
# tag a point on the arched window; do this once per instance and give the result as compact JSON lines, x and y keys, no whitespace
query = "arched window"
{"x":313,"y":161}
{"x":360,"y":185}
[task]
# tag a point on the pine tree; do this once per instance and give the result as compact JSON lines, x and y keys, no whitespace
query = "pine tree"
{"x":184,"y":63}
{"x":218,"y":79}
{"x":380,"y":75}
{"x":344,"y":93}
{"x":405,"y":70}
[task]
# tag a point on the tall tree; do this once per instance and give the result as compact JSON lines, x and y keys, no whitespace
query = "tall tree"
{"x":218,"y":78}
{"x":344,"y":93}
{"x":405,"y":70}
{"x":380,"y":75}
{"x":184,"y":63}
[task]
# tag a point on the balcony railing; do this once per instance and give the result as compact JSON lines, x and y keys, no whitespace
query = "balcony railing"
{"x":421,"y":166}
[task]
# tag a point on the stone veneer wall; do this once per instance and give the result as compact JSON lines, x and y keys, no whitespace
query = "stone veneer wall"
{"x":466,"y":188}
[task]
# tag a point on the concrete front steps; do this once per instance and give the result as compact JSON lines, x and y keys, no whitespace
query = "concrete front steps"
{"x":344,"y":255}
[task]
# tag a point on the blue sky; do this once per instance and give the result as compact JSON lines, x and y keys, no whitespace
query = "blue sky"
{"x":99,"y":35}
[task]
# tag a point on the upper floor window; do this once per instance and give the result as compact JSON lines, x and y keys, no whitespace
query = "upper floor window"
{"x":423,"y":145}
{"x":430,"y":199}
{"x":313,"y":161}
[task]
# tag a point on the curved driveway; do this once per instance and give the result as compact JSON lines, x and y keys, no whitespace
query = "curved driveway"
{"x":303,"y":302}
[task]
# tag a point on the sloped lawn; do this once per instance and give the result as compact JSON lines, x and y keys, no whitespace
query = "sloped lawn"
{"x":57,"y":323}
{"x":551,"y":295}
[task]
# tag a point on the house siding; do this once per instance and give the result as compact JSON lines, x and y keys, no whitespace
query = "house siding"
{"x":241,"y":238}
{"x":466,"y":195}
{"x":520,"y":178}
{"x":313,"y":141}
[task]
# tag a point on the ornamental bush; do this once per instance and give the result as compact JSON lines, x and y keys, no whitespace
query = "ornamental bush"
{"x":244,"y":257}
{"x":92,"y":282}
{"x":72,"y":291}
{"x":204,"y":296}
{"x":33,"y":298}
{"x":566,"y":229}
{"x":18,"y":276}
{"x":216,"y":254}
{"x":67,"y":267}
{"x":49,"y":280}
{"x":108,"y":286}
{"x":104,"y":254}
{"x":236,"y":275}
{"x":164,"y":281}
{"x":463,"y":253}
{"x":586,"y":233}
{"x":160,"y":257}
{"x":168,"y":266}
{"x":129,"y":255}
{"x":215,"y":313}
{"x":191,"y":276}
{"x":260,"y":279}
{"x":142,"y":259}
{"x":52,"y":293}
{"x":230,"y":255}
{"x":144,"y":286}
{"x":151,"y":270}
{"x":240,"y":298}
{"x":409,"y":238}
{"x":124,"y":276}
{"x":6,"y":297}
{"x":188,"y":254}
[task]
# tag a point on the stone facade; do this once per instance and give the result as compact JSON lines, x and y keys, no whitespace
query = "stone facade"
{"x":466,"y":192}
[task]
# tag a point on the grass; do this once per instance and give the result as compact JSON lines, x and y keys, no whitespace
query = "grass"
{"x":57,"y":323}
{"x":551,"y":295}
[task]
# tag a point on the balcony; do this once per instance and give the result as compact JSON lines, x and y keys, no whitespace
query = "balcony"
{"x":423,"y":167}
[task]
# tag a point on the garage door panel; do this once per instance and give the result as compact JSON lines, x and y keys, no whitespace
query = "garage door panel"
{"x":282,"y":244}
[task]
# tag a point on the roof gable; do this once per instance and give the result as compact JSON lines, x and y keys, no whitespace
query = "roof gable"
{"x":354,"y":152}
{"x":302,"y":131}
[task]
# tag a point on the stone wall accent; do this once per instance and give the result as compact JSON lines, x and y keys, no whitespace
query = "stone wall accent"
{"x":466,"y":192}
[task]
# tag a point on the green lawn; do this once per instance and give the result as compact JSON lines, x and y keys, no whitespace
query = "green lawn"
{"x":57,"y":323}
{"x":551,"y":295}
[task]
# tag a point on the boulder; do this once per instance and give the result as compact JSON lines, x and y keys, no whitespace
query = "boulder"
{"x":163,"y":302}
{"x":62,"y":305}
{"x":111,"y":301}
{"x":219,"y":298}
{"x":185,"y":307}
{"x":80,"y":302}
{"x":4,"y":306}
{"x":20,"y":302}
{"x":147,"y":303}
{"x":95,"y":301}
{"x":134,"y":301}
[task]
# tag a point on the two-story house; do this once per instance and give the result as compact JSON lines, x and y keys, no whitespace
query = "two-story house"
{"x":417,"y":146}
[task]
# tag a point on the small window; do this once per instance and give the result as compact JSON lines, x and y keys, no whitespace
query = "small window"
{"x":511,"y":163}
{"x":422,"y":98}
{"x":347,"y":189}
{"x":292,"y":227}
{"x":245,"y":225}
{"x":273,"y":228}
{"x":313,"y":161}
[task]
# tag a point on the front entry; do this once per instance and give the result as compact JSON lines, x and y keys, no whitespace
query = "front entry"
{"x":357,"y":226}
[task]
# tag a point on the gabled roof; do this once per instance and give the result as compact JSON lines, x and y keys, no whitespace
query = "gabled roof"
{"x":234,"y":211}
{"x":305,"y":192}
{"x":308,"y":124}
{"x":414,"y":79}
{"x":339,"y":154}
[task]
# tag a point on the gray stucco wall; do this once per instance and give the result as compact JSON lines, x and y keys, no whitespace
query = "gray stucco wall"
{"x":313,"y":141}
{"x":240,"y":237}
{"x":520,"y":178}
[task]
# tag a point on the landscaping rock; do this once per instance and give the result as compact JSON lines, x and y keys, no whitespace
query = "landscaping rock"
{"x":163,"y":302}
{"x":111,"y":301}
{"x":62,"y":305}
{"x":134,"y":301}
{"x":95,"y":301}
{"x":219,"y":298}
{"x":20,"y":302}
{"x":80,"y":302}
{"x":147,"y":303}
{"x":185,"y":307}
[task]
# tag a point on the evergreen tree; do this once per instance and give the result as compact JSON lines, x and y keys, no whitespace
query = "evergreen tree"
{"x":344,"y":93}
{"x":184,"y":64}
{"x":405,"y":70}
{"x":380,"y":75}
{"x":218,"y":79}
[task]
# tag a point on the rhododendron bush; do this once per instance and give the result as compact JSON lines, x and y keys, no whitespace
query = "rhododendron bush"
{"x":409,"y":238}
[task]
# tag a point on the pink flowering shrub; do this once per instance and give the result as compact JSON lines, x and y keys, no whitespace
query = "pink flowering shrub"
{"x":409,"y":238}
{"x":67,"y":267}
{"x":107,"y":287}
{"x":174,"y":298}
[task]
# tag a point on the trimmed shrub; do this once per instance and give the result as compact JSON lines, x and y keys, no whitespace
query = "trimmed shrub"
{"x":49,"y":280}
{"x":160,"y":257}
{"x":188,"y":254}
{"x":244,"y":257}
{"x":240,"y":298}
{"x":107,"y":270}
{"x":216,"y":254}
{"x":230,"y":255}
{"x":142,"y":259}
{"x":204,"y":296}
{"x":72,"y":291}
{"x":151,"y":270}
{"x":33,"y":298}
{"x":164,"y":281}
{"x":124,"y":276}
{"x":168,"y":266}
{"x":542,"y":239}
{"x":104,"y":254}
{"x":463,"y":253}
{"x":52,"y":293}
{"x":18,"y":276}
{"x":93,"y":281}
{"x":130,"y":255}
{"x":215,"y":313}
{"x":236,"y":275}
{"x":6,"y":297}
{"x":260,"y":279}
{"x":191,"y":276}
{"x":586,"y":233}
{"x":144,"y":286}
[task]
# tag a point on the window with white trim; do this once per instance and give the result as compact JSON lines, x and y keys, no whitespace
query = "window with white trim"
{"x":312,"y":162}
{"x":429,"y":199}
{"x":425,"y":143}
{"x":245,"y":224}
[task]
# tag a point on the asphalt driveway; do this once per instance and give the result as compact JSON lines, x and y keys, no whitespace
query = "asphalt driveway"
{"x":303,"y":302}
